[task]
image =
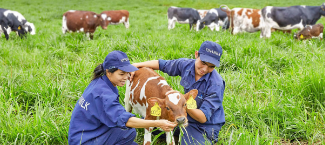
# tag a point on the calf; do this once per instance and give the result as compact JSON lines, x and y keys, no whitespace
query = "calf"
{"x":14,"y":21}
{"x":288,"y":18}
{"x":148,"y":88}
{"x":314,"y":31}
{"x":117,"y":17}
{"x":83,"y":21}
{"x":244,"y":19}
{"x":213,"y":19}
{"x":182,"y":16}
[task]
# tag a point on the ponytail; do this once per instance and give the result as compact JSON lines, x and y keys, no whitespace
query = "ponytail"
{"x":98,"y":72}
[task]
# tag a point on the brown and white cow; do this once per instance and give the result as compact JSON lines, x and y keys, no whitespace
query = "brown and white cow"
{"x":244,"y":19}
{"x":147,"y":88}
{"x":83,"y":21}
{"x":310,"y":31}
{"x":117,"y":17}
{"x":202,"y":13}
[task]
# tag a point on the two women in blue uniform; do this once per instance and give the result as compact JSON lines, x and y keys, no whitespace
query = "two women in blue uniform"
{"x":98,"y":116}
{"x":206,"y":121}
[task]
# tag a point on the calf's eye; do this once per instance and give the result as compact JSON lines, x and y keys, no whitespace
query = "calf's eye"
{"x":167,"y":108}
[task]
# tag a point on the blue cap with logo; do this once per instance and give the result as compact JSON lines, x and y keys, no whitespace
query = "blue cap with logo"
{"x":210,"y":52}
{"x":119,"y":60}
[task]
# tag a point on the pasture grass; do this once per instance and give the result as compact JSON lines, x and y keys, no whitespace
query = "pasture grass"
{"x":275,"y":87}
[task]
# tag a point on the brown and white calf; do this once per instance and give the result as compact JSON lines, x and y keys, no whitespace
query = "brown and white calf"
{"x":117,"y":17}
{"x":147,"y":88}
{"x":310,"y":31}
{"x":83,"y":21}
{"x":244,"y":19}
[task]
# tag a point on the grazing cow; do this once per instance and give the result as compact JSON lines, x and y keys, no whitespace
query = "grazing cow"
{"x":14,"y":21}
{"x":244,"y":19}
{"x":148,"y":88}
{"x":288,"y":18}
{"x":117,"y":17}
{"x":310,"y":31}
{"x":83,"y":21}
{"x":202,"y":13}
{"x":183,"y":16}
{"x":213,"y":19}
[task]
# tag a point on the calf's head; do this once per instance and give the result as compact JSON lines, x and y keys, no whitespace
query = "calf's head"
{"x":173,"y":107}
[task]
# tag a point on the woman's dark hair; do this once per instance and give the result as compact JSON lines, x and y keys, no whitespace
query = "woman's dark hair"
{"x":99,"y":71}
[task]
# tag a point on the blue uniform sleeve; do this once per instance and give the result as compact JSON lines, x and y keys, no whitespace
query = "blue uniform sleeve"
{"x":114,"y":114}
{"x":171,"y":67}
{"x":213,"y":101}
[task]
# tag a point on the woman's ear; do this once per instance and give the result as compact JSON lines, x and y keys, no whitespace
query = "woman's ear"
{"x":107,"y":72}
{"x":196,"y":54}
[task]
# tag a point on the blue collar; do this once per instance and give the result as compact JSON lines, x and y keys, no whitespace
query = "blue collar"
{"x":192,"y":72}
{"x":109,"y":83}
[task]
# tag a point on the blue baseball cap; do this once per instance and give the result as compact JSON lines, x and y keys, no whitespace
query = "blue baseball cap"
{"x":210,"y":52}
{"x":119,"y":60}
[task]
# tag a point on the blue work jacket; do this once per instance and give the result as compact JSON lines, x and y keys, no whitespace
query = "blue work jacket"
{"x":96,"y":112}
{"x":210,"y":89}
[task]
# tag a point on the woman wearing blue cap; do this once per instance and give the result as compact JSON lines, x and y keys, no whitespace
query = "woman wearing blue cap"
{"x":206,"y":121}
{"x":98,"y":117}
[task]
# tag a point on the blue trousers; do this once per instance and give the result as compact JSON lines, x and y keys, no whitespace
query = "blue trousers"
{"x":115,"y":136}
{"x":196,"y":134}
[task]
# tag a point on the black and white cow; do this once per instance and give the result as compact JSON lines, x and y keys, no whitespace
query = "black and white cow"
{"x":213,"y":19}
{"x":287,"y":18}
{"x":14,"y":21}
{"x":183,"y":16}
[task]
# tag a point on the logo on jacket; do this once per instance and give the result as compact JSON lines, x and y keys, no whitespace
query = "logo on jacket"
{"x":83,"y":103}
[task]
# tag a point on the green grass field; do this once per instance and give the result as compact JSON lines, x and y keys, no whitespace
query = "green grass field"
{"x":275,"y":87}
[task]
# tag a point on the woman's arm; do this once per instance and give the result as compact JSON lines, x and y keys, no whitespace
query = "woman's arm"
{"x":141,"y":123}
{"x":197,"y":115}
{"x":154,"y":64}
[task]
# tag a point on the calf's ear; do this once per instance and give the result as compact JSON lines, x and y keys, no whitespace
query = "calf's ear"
{"x":192,"y":93}
{"x":153,"y":100}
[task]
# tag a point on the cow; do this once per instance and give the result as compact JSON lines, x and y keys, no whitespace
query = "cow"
{"x":14,"y":21}
{"x":288,"y":18}
{"x":117,"y":17}
{"x":83,"y":21}
{"x":213,"y":19}
{"x":310,"y":31}
{"x":183,"y":16}
{"x":148,"y":88}
{"x":244,"y":19}
{"x":202,"y":13}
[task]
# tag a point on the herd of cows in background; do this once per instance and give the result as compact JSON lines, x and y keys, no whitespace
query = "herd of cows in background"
{"x":238,"y":20}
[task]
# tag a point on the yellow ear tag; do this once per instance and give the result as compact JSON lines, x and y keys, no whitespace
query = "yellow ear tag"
{"x":18,"y":27}
{"x":155,"y":110}
{"x":191,"y":103}
{"x":301,"y":36}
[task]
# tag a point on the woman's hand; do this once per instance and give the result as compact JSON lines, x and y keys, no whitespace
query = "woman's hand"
{"x":166,"y":125}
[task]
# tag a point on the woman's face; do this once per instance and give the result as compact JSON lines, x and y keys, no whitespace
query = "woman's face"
{"x":201,"y":67}
{"x":118,"y":78}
